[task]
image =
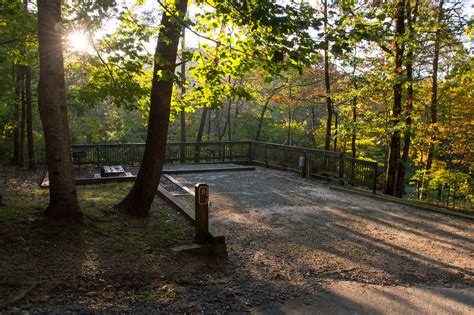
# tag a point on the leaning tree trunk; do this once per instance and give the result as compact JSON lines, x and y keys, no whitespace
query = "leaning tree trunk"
{"x":63,"y":202}
{"x":394,"y":145}
{"x":264,"y":110}
{"x":138,"y":201}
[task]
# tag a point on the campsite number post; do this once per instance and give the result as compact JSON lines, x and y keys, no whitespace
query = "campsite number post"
{"x":201,"y":203}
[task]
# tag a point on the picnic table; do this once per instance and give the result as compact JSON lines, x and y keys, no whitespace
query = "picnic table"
{"x":112,"y":171}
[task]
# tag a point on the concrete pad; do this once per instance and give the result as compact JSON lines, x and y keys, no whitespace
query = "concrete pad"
{"x":344,"y":297}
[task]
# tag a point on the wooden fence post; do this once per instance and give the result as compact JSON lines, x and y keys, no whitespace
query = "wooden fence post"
{"x":251,"y":151}
{"x":308,"y":166}
{"x":374,"y":184}
{"x":266,"y":155}
{"x":341,"y":168}
{"x":182,"y":153}
{"x":223,"y":151}
{"x":201,"y":208}
{"x":97,"y":151}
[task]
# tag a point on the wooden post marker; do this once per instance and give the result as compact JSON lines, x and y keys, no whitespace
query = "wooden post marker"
{"x":201,"y":206}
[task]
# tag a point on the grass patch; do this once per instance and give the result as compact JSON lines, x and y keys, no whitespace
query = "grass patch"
{"x":22,"y":218}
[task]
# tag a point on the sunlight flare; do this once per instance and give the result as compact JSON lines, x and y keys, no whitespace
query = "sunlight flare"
{"x":78,"y":41}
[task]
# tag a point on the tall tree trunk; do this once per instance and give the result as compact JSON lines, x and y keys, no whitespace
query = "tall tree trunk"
{"x":313,"y":125}
{"x":29,"y":120}
{"x":229,"y":110}
{"x":202,"y":124}
{"x":21,"y":138}
{"x":209,"y":125}
{"x":288,"y":137}
{"x":138,"y":201}
{"x":434,"y":90}
{"x":327,"y":144}
{"x":335,"y":129}
{"x":29,"y":112}
{"x":411,"y":20}
{"x":183,"y":91}
{"x":354,"y":130}
{"x":218,"y":124}
{"x":394,"y":146}
{"x":16,"y":131}
{"x":63,"y":202}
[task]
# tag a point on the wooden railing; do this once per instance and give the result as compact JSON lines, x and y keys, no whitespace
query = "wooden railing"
{"x":132,"y":153}
{"x":316,"y":162}
{"x":328,"y":164}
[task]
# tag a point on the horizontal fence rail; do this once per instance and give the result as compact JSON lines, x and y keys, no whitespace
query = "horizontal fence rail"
{"x":315,"y":162}
{"x":329,"y":164}
{"x":132,"y":153}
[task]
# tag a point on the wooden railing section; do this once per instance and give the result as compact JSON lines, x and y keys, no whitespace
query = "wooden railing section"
{"x":316,"y":162}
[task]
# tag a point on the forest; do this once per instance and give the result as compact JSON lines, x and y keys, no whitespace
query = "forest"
{"x":329,"y":144}
{"x":389,"y":82}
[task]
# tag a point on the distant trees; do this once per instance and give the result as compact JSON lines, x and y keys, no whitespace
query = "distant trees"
{"x":374,"y":78}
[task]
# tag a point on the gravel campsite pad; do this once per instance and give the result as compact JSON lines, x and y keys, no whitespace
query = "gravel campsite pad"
{"x":288,"y":239}
{"x":292,"y":233}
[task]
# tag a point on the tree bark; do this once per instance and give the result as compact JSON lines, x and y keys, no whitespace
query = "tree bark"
{"x":138,"y":201}
{"x":229,"y":111}
{"x":63,"y":202}
{"x":354,"y":131}
{"x":183,"y":91}
{"x":327,"y":82}
{"x":313,"y":125}
{"x":16,"y":131}
{"x":209,"y":125}
{"x":288,"y":137}
{"x":29,"y":120}
{"x":29,"y":112}
{"x":394,"y":146}
{"x":202,"y":124}
{"x":218,"y":125}
{"x":21,"y":130}
{"x":335,"y":129}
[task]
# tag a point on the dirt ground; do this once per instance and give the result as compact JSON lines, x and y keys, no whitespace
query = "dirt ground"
{"x":288,"y":239}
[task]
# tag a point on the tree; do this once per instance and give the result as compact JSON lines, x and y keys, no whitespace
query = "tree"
{"x":327,"y":80}
{"x":393,"y":161}
{"x":29,"y":111}
{"x":412,"y":14}
{"x":63,"y":203}
{"x":434,"y":89}
{"x":138,"y":201}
